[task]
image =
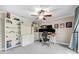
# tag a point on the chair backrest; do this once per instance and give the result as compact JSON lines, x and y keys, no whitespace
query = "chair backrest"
{"x":44,"y":34}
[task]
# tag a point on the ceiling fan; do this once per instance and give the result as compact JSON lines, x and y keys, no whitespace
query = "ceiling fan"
{"x":42,"y":14}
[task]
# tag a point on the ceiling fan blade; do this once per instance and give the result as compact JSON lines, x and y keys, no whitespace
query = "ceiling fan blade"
{"x":47,"y":15}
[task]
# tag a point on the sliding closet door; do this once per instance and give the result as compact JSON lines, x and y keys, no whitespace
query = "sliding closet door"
{"x":0,"y":36}
{"x":74,"y":37}
{"x":78,"y":42}
{"x":78,"y":37}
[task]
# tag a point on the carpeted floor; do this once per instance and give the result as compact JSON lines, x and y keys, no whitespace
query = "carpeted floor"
{"x":37,"y":48}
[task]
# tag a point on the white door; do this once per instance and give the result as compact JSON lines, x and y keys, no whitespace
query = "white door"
{"x":61,"y":38}
{"x":0,"y":35}
{"x":78,"y":42}
{"x":78,"y":37}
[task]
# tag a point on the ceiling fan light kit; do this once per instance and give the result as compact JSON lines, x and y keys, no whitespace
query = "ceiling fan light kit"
{"x":41,"y":17}
{"x":42,"y":14}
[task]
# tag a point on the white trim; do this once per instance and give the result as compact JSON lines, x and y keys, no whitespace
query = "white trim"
{"x":63,"y":17}
{"x":62,"y":43}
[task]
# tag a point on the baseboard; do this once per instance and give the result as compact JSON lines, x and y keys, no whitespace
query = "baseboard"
{"x":62,"y":43}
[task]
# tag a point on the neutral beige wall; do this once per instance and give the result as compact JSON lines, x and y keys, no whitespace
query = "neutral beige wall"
{"x":2,"y":15}
{"x":63,"y":35}
{"x":27,"y":36}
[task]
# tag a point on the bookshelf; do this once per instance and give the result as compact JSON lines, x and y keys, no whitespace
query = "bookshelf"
{"x":12,"y":33}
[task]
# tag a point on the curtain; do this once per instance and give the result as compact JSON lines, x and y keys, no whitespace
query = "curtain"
{"x":73,"y":42}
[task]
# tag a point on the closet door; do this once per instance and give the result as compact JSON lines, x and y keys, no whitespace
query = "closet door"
{"x":78,"y":42}
{"x":78,"y":37}
{"x":63,"y":38}
{"x":0,"y":36}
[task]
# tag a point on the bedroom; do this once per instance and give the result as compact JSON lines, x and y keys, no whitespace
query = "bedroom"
{"x":20,"y":24}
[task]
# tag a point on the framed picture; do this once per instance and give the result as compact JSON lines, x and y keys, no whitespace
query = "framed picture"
{"x":56,"y":26}
{"x":68,"y":24}
{"x":62,"y":25}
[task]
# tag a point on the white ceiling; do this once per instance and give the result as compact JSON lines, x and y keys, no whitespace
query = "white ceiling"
{"x":25,"y":10}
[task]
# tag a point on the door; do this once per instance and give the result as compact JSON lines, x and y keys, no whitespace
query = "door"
{"x":78,"y":37}
{"x":0,"y":36}
{"x":78,"y":42}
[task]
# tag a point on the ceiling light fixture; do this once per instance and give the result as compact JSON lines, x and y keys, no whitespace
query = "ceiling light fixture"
{"x":42,"y":13}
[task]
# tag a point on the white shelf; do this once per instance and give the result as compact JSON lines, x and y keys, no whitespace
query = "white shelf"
{"x":11,"y":36}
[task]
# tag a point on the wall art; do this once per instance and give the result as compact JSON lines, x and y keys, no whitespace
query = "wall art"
{"x":68,"y":24}
{"x":62,"y":25}
{"x":56,"y":26}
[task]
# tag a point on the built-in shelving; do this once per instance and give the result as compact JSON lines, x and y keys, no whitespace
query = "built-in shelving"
{"x":12,"y":38}
{"x":9,"y":32}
